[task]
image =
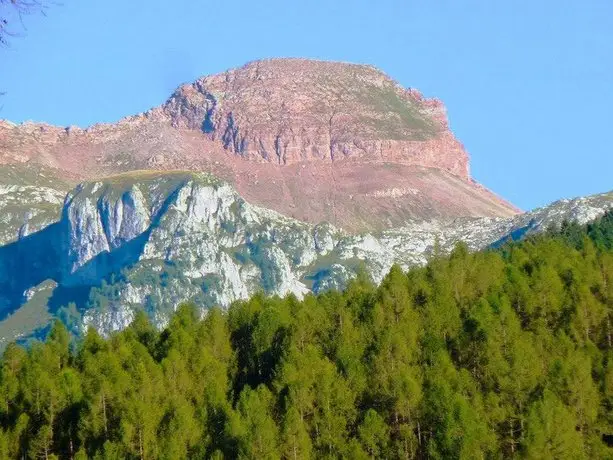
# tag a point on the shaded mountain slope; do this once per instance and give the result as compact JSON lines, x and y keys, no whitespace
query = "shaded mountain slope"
{"x":148,"y":240}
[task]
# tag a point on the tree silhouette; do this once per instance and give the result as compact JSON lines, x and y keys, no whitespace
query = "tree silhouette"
{"x":12,"y":13}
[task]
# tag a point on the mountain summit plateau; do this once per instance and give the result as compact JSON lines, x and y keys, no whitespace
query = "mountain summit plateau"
{"x":314,"y":140}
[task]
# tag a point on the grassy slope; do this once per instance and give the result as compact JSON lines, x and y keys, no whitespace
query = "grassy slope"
{"x":31,"y":316}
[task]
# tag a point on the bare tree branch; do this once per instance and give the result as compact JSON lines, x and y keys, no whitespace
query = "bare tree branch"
{"x":12,"y":13}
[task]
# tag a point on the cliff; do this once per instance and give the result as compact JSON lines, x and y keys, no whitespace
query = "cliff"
{"x":294,"y":110}
{"x":149,"y":241}
{"x":318,"y":141}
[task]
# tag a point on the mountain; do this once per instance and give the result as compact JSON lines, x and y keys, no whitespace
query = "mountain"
{"x":285,"y":175}
{"x":492,"y":354}
{"x":313,"y":140}
{"x":150,"y":240}
{"x":291,"y":178}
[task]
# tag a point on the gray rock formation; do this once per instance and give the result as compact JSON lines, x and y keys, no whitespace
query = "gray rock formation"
{"x":153,"y":240}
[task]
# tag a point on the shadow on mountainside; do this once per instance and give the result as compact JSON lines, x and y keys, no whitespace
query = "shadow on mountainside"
{"x":43,"y":255}
{"x":515,"y":235}
{"x":26,"y":263}
{"x":106,"y":267}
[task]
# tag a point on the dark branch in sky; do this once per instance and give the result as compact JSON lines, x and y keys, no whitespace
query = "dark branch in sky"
{"x":12,"y":13}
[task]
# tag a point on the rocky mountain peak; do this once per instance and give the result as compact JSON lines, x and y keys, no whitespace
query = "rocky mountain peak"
{"x":314,"y":140}
{"x":292,"y":110}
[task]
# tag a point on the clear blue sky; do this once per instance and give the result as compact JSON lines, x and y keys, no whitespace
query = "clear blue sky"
{"x":528,"y":84}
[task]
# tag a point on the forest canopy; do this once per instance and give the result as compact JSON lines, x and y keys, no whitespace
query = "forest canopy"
{"x":501,"y":353}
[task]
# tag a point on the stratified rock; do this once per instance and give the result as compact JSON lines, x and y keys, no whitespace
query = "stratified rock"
{"x":318,"y":141}
{"x":294,"y":110}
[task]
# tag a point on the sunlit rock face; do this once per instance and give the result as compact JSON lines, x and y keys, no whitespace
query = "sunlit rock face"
{"x":167,"y":238}
{"x":150,"y":241}
{"x":293,"y":110}
{"x":314,"y":140}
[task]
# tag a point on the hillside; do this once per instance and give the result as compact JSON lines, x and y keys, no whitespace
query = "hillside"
{"x":317,"y":141}
{"x":31,"y":197}
{"x":494,"y":354}
{"x":147,"y":241}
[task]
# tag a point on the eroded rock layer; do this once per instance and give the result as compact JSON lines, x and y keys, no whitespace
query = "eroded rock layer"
{"x":319,"y":141}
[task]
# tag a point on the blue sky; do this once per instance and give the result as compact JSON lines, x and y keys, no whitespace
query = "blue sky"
{"x":528,"y":84}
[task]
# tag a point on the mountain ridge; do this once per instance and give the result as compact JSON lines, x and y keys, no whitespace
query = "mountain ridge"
{"x":318,"y":140}
{"x":155,"y":239}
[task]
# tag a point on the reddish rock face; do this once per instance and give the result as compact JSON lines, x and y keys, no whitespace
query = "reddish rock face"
{"x":294,"y":110}
{"x":314,"y":140}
